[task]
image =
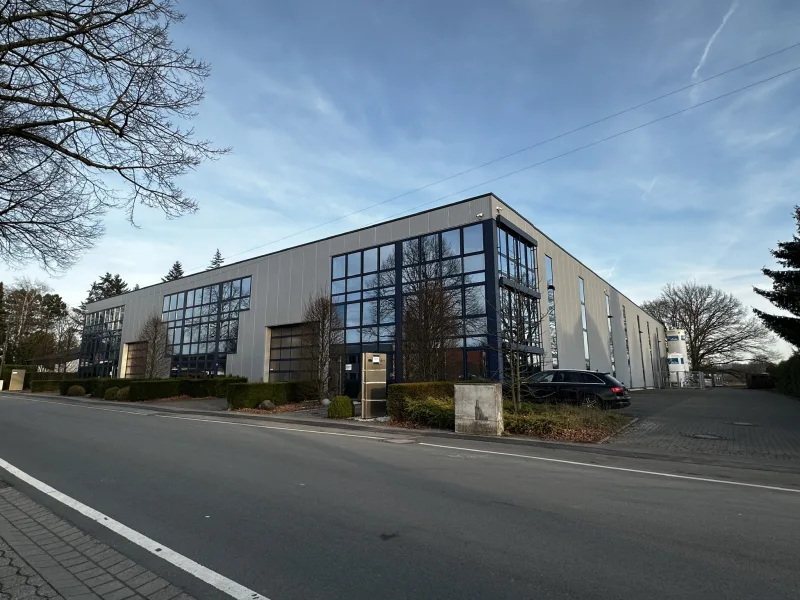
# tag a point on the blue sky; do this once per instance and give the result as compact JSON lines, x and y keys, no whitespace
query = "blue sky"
{"x":333,"y":106}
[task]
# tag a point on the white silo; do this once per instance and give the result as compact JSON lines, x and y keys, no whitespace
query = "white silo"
{"x":677,"y":356}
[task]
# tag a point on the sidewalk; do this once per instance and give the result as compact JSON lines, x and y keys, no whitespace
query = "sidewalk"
{"x":43,"y":556}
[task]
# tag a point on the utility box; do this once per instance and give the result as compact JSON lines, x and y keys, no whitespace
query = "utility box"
{"x":373,"y":385}
{"x":17,"y":381}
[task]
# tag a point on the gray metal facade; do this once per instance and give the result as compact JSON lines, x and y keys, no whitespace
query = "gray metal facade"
{"x":281,"y":281}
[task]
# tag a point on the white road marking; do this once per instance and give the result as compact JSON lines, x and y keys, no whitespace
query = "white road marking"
{"x":355,"y":435}
{"x":205,"y":574}
{"x":640,"y":471}
{"x":128,"y":412}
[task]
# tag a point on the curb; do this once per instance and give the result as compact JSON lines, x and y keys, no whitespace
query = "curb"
{"x":620,"y":430}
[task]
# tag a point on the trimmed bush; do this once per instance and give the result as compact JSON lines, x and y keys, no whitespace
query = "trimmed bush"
{"x":250,"y":395}
{"x":44,"y":386}
{"x":76,"y":390}
{"x":101,"y":385}
{"x":398,"y":395}
{"x":153,"y":389}
{"x":86,"y":384}
{"x":224,"y":382}
{"x":51,"y":376}
{"x":439,"y":413}
{"x":111,"y":393}
{"x":341,"y":407}
{"x":123,"y":394}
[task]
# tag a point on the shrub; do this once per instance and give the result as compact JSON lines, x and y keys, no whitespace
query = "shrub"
{"x":250,"y":395}
{"x":399,"y":394}
{"x":153,"y":389}
{"x":102,"y":384}
{"x":111,"y":393}
{"x":51,"y":376}
{"x":44,"y":385}
{"x":341,"y":407}
{"x":198,"y":388}
{"x":562,"y":422}
{"x":123,"y":394}
{"x":76,"y":390}
{"x":86,"y":384}
{"x":787,"y":375}
{"x":439,"y":413}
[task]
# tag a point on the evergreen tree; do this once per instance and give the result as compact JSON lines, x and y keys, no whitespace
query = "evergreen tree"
{"x":217,"y":261}
{"x":107,"y":286}
{"x":785,"y":293}
{"x":175,"y":272}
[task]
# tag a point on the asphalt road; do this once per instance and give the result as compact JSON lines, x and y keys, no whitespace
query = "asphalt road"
{"x":297,"y":515}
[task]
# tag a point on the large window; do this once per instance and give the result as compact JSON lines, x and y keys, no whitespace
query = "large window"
{"x":520,"y":322}
{"x":288,"y":357}
{"x":609,"y":318}
{"x":641,"y":348}
{"x":203,"y":326}
{"x":627,"y":345}
{"x":100,"y":343}
{"x":441,"y":274}
{"x":650,"y":345}
{"x":582,"y":294}
{"x":551,"y":309}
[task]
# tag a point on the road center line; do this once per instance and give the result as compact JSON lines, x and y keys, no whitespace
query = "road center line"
{"x":627,"y":470}
{"x":205,"y":574}
{"x":355,"y":435}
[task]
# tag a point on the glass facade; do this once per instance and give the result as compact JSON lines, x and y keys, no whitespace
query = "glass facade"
{"x":551,"y":309}
{"x":610,"y":338}
{"x":650,"y":345}
{"x":627,"y":344}
{"x":583,"y":323}
{"x":100,"y":343}
{"x":519,"y":315}
{"x":288,"y":354}
{"x":440,"y":275}
{"x":203,"y":326}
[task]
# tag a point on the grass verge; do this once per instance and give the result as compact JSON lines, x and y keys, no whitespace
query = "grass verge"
{"x":561,"y":422}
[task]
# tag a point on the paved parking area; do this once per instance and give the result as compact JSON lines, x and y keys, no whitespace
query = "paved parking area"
{"x":733,"y":422}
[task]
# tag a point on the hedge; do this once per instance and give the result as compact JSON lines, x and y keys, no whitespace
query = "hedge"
{"x":787,"y":375}
{"x":102,"y":384}
{"x":51,"y":376}
{"x":86,"y":384}
{"x":44,"y":385}
{"x":153,"y":389}
{"x":398,"y":395}
{"x":439,"y":413}
{"x":204,"y":388}
{"x":7,"y":375}
{"x":250,"y":395}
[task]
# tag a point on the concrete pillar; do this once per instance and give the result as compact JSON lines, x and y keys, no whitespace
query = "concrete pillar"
{"x":479,"y":408}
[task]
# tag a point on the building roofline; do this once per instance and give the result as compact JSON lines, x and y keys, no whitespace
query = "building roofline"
{"x":330,"y":237}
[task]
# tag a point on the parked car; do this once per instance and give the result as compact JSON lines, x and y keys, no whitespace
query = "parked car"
{"x":586,"y":388}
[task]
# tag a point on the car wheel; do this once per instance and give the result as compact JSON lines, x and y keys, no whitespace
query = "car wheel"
{"x":591,"y":401}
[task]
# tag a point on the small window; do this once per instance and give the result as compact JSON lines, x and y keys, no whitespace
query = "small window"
{"x":370,"y":260}
{"x":411,"y":252}
{"x":387,"y":257}
{"x":451,"y":243}
{"x":571,"y":377}
{"x":354,"y":264}
{"x":682,"y":361}
{"x":474,"y":263}
{"x":590,"y":378}
{"x":473,"y":239}
{"x":339,"y":267}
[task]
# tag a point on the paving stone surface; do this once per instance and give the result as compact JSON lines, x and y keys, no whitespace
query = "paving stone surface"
{"x":43,"y":556}
{"x":731,"y":422}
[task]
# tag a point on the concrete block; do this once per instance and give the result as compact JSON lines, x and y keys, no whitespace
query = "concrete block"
{"x":479,"y":408}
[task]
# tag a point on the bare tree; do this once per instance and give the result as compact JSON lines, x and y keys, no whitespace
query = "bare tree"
{"x":432,"y":311}
{"x":90,"y":90}
{"x":154,"y":335}
{"x":322,"y":332}
{"x":719,"y":328}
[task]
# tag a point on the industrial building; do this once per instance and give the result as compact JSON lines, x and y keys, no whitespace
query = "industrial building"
{"x":245,"y":318}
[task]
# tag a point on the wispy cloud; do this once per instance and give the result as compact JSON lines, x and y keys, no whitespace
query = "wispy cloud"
{"x":712,"y":39}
